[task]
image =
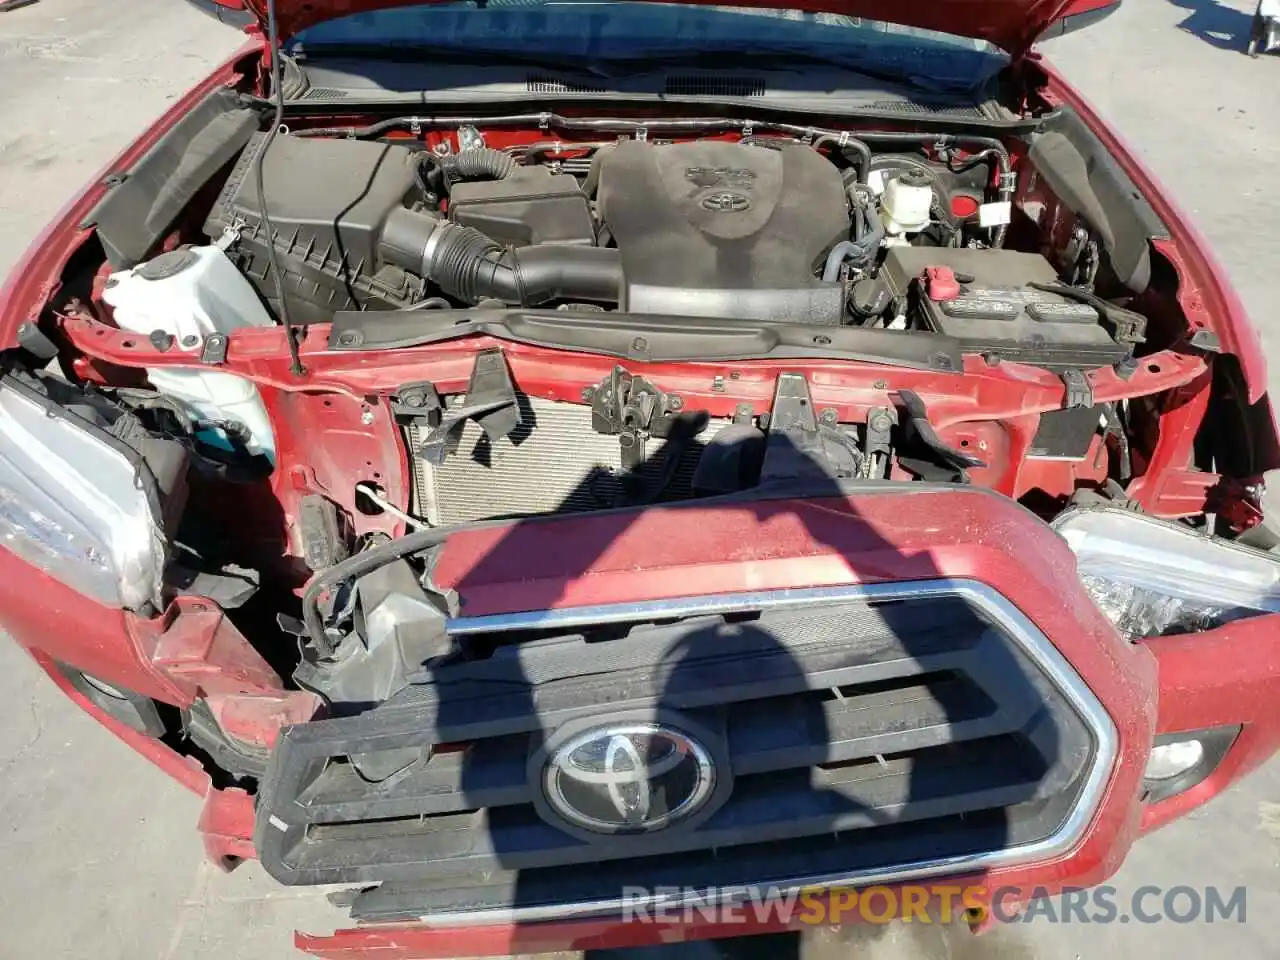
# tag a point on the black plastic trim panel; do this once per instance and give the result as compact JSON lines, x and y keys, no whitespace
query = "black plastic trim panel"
{"x":145,"y":200}
{"x":1088,"y":180}
{"x":647,"y":338}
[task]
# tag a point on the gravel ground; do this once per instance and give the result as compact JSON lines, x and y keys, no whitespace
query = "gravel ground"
{"x":101,"y":849}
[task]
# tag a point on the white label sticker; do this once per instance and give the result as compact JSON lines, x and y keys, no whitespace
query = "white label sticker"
{"x":995,"y":214}
{"x":278,"y":823}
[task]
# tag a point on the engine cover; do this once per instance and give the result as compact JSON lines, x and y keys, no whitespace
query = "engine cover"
{"x":714,"y":229}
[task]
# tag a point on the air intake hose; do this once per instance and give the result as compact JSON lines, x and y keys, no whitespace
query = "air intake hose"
{"x":483,"y":163}
{"x":472,"y":267}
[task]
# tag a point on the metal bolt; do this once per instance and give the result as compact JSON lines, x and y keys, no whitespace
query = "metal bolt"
{"x":822,"y":340}
{"x":744,"y":410}
{"x":640,"y":345}
{"x":717,"y":384}
{"x":675,"y":403}
{"x":880,"y":385}
{"x":881,"y":423}
{"x":190,"y":340}
{"x":588,"y":393}
{"x":414,"y":400}
{"x":735,"y":374}
{"x":828,"y":416}
{"x":366,"y":416}
{"x":348,"y":338}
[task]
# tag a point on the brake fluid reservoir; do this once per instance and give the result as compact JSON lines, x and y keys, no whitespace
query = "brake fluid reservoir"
{"x":191,"y":294}
{"x":906,"y":202}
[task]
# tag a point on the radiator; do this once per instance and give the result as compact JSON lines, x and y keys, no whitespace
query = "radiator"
{"x":553,"y":462}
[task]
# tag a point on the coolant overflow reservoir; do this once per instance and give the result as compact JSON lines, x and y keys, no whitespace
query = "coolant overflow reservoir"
{"x":190,"y":294}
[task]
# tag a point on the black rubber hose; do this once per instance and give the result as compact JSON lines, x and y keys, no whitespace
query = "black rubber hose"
{"x":533,"y":275}
{"x":483,"y":163}
{"x":472,"y":267}
{"x":857,"y":146}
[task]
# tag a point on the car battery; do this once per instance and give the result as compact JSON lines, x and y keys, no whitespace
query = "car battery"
{"x":985,"y":299}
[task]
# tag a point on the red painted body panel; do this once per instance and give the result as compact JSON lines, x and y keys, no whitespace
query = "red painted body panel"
{"x":1205,"y":294}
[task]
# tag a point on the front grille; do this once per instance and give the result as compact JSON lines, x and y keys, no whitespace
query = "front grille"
{"x":857,"y":732}
{"x":554,"y":462}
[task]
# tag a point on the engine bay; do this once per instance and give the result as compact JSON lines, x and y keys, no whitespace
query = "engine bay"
{"x":820,"y":244}
{"x":732,"y":251}
{"x":763,"y":228}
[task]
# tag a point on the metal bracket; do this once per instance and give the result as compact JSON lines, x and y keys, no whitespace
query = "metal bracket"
{"x":795,"y":446}
{"x":1207,"y":341}
{"x":632,"y":409}
{"x":627,"y":403}
{"x":231,"y":234}
{"x":418,"y":400}
{"x":490,"y":401}
{"x":1079,"y":392}
{"x":877,"y":441}
{"x":469,"y":138}
{"x":214,"y":351}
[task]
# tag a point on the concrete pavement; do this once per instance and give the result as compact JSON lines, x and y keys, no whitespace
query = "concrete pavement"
{"x":99,"y":852}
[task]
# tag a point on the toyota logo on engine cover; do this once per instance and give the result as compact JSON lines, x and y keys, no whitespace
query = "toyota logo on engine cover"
{"x":726,"y":201}
{"x":628,"y":778}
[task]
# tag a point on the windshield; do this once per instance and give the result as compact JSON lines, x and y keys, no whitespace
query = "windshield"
{"x":612,"y":38}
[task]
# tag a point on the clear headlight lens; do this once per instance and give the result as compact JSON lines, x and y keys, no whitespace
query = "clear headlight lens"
{"x":73,"y":504}
{"x":1173,"y":759}
{"x":1151,"y":576}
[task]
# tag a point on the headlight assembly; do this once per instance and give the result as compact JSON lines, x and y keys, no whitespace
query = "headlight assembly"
{"x":1152,"y":576}
{"x":76,"y":502}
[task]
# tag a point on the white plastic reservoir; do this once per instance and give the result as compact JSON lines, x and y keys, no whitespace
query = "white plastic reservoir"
{"x":192,"y":293}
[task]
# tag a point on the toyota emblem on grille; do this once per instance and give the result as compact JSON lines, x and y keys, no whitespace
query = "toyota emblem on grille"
{"x":628,"y":778}
{"x":726,"y":201}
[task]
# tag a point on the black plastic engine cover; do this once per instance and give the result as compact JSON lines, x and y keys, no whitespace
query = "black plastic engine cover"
{"x":717,"y":229}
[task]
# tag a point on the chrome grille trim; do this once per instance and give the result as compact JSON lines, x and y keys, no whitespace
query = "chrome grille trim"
{"x":990,"y":601}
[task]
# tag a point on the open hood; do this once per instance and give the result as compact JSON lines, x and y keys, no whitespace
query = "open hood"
{"x":1012,"y":25}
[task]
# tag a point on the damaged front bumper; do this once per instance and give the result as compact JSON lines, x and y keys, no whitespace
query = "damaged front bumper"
{"x":865,"y":545}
